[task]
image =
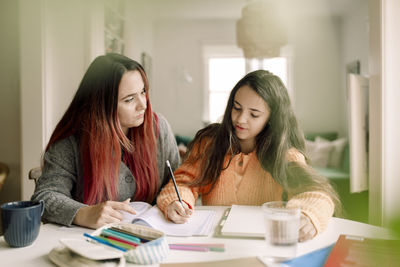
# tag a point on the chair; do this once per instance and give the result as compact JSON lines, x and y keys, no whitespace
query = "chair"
{"x":35,"y":173}
{"x":4,"y":171}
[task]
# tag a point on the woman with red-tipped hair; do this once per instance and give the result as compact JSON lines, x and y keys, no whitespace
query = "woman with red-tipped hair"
{"x":108,"y":148}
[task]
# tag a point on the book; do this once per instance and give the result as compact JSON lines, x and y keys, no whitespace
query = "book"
{"x":313,"y":258}
{"x":243,"y":221}
{"x":201,"y":222}
{"x":248,"y":261}
{"x":355,"y":251}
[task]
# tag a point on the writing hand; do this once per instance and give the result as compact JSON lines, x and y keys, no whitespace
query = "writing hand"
{"x":179,"y":213}
{"x":307,"y":230}
{"x":101,"y":214}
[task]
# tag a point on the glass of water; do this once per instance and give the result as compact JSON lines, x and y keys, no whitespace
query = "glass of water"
{"x":281,"y":230}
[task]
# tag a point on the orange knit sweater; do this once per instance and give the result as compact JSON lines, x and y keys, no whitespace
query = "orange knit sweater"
{"x":245,"y":182}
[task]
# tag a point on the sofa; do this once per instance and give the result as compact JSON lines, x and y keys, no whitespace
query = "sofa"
{"x":335,"y":172}
{"x":355,"y":205}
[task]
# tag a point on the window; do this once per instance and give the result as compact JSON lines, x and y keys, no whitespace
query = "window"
{"x":276,"y":65}
{"x":223,"y":75}
{"x":224,"y":70}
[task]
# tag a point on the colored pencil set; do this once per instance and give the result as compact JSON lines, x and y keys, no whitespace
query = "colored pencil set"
{"x":124,"y":240}
{"x":119,"y":238}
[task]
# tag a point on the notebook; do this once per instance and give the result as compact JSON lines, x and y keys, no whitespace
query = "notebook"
{"x":200,"y":224}
{"x":243,"y":221}
{"x":355,"y":251}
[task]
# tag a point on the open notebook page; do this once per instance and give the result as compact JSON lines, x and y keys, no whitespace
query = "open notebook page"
{"x":196,"y":225}
{"x":140,"y":208}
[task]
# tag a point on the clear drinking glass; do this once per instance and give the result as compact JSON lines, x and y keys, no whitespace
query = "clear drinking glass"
{"x":281,"y":230}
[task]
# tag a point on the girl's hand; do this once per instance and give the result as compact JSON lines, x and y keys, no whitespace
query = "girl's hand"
{"x":307,"y":230}
{"x":103,"y":213}
{"x":179,"y":213}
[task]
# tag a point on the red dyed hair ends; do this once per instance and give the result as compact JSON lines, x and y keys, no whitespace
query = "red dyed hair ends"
{"x":93,"y":118}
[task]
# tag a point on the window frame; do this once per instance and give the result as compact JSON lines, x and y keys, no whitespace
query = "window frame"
{"x":215,"y":51}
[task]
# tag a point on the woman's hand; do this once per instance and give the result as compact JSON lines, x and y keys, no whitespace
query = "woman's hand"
{"x":179,"y":213}
{"x":307,"y":229}
{"x":103,"y":213}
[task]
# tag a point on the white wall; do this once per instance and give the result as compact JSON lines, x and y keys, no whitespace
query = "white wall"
{"x":354,"y":31}
{"x":31,"y":88}
{"x":316,"y":74}
{"x":138,"y":30}
{"x":58,"y":41}
{"x":355,"y":36}
{"x":375,"y":118}
{"x":9,"y":99}
{"x":65,"y":57}
{"x":391,"y":109}
{"x":178,"y":49}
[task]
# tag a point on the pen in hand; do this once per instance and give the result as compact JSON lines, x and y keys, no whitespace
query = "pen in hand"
{"x":173,"y":180}
{"x":181,"y":214}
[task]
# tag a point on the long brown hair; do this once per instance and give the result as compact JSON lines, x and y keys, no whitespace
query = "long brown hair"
{"x":93,"y":118}
{"x":280,"y":134}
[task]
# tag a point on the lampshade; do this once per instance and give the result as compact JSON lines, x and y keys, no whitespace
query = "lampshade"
{"x":260,"y":32}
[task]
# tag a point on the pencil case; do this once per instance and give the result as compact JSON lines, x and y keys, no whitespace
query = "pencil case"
{"x":153,"y":251}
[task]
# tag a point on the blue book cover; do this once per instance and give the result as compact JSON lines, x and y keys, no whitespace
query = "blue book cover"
{"x":315,"y":258}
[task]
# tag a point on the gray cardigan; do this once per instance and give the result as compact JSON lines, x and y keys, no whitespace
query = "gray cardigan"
{"x":61,"y":183}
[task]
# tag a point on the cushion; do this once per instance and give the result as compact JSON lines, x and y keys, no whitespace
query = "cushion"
{"x":318,"y":153}
{"x":326,"y":135}
{"x":336,"y":154}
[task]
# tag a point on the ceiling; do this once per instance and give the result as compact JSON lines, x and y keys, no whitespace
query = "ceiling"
{"x":231,"y":9}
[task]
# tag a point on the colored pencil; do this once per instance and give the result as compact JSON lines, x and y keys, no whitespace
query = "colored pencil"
{"x":217,"y":245}
{"x":104,"y":242}
{"x":129,"y":238}
{"x":141,"y":237}
{"x":211,"y":247}
{"x":117,"y":243}
{"x":121,"y":241}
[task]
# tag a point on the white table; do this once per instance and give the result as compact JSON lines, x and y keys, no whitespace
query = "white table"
{"x":36,"y":254}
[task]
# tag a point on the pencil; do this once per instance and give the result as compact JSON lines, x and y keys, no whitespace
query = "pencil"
{"x":190,"y":248}
{"x":211,"y":247}
{"x":173,"y":180}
